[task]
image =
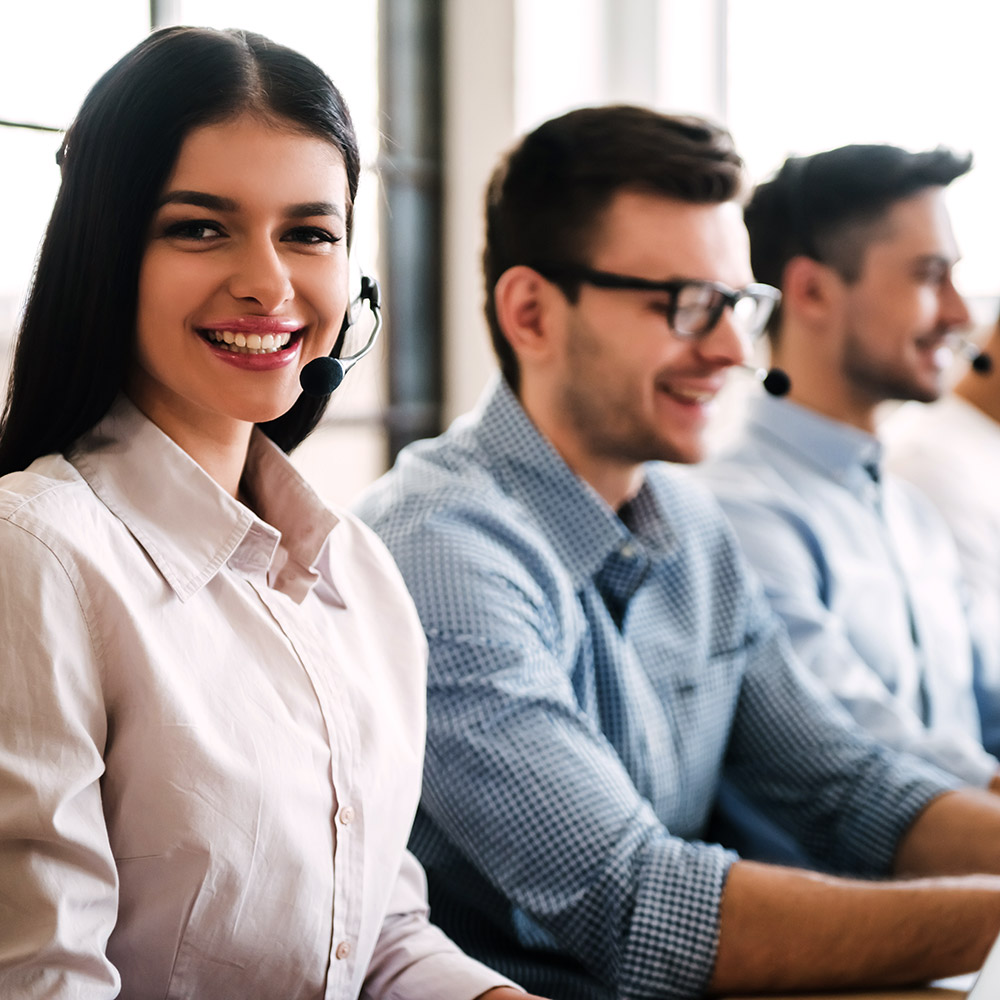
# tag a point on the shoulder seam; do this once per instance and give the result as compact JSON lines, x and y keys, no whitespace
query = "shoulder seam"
{"x":7,"y":515}
{"x":72,"y":581}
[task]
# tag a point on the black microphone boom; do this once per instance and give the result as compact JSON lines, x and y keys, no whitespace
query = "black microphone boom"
{"x":322,"y":375}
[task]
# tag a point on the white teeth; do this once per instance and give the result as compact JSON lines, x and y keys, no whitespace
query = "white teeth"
{"x":691,"y":396}
{"x":252,"y":343}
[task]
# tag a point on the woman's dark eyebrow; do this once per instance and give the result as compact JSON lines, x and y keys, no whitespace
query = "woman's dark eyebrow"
{"x":216,"y":203}
{"x":200,"y":199}
{"x":308,"y":208}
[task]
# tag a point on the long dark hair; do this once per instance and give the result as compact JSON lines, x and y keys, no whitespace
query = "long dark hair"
{"x":76,"y":339}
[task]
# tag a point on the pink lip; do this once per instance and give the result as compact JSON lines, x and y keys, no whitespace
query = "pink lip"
{"x":254,"y":324}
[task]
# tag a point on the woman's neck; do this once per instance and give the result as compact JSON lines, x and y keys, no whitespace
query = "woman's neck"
{"x":219,"y":446}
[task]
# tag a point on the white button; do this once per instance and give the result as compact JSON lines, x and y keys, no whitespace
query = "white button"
{"x":347,"y":815}
{"x":343,"y":949}
{"x":627,"y":551}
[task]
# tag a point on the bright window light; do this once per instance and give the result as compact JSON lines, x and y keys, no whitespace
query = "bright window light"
{"x":804,"y":77}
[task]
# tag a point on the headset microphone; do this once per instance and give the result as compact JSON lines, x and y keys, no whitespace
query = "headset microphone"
{"x":322,"y":375}
{"x":774,"y":380}
{"x":980,"y":361}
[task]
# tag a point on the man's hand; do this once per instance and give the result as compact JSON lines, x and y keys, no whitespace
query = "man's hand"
{"x":994,"y":785}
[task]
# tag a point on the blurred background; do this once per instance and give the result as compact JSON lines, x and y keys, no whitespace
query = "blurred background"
{"x":438,"y":88}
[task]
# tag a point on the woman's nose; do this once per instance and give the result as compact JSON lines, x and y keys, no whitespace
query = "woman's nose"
{"x":262,"y":276}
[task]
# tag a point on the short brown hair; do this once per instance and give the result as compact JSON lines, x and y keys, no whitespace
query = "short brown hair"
{"x":832,"y":205}
{"x":545,"y":196}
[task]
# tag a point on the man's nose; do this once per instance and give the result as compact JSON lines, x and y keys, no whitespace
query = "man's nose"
{"x":727,"y":343}
{"x":953,"y":310}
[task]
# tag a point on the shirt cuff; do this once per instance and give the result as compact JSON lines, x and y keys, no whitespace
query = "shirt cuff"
{"x":891,"y":807}
{"x":674,"y":935}
{"x":453,"y":975}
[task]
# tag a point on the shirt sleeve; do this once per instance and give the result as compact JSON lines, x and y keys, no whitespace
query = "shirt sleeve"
{"x":796,"y":752}
{"x":788,"y":558}
{"x":58,"y":902}
{"x":523,"y":782}
{"x":974,"y":520}
{"x":413,"y":959}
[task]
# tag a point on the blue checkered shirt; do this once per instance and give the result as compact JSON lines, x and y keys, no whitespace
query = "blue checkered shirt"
{"x":590,"y":683}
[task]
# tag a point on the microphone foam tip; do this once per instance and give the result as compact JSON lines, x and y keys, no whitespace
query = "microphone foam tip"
{"x":777,"y":382}
{"x":321,"y":376}
{"x":982,"y":363}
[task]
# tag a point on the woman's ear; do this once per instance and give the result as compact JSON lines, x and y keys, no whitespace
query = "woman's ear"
{"x":525,"y":307}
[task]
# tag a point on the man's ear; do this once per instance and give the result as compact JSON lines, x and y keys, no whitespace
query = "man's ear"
{"x":810,"y":290}
{"x":525,"y":303}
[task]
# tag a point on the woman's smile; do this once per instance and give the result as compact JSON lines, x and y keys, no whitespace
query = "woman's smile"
{"x":254,"y":335}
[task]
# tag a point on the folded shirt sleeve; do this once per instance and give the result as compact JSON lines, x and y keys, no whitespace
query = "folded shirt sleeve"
{"x":798,"y":753}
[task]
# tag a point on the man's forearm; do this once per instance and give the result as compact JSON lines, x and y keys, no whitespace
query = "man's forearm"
{"x":957,"y":834}
{"x":786,"y":929}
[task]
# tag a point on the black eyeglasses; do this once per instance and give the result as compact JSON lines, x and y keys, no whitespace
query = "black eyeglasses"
{"x":694,"y":306}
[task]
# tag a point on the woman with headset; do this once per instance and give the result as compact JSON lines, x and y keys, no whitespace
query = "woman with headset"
{"x":213,"y":685}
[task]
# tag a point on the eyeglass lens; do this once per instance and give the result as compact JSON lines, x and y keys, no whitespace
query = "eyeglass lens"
{"x":697,"y":309}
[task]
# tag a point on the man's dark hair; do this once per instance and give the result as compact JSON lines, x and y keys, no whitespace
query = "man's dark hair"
{"x":545,"y":197}
{"x":77,"y":337}
{"x":830,"y":206}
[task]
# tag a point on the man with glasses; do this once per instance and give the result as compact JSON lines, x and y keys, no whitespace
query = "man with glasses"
{"x":860,"y":567}
{"x":600,"y":656}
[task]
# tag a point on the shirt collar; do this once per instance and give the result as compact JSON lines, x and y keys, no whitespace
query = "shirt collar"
{"x":186,"y":523}
{"x":578,"y":523}
{"x":840,"y":451}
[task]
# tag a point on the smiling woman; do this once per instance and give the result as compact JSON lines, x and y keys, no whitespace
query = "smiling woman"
{"x":213,"y":684}
{"x":236,"y":259}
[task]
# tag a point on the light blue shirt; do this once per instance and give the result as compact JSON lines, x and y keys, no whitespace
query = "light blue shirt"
{"x":589,"y":685}
{"x":865,"y":575}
